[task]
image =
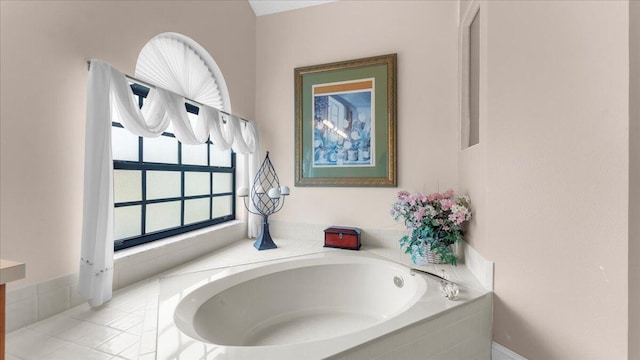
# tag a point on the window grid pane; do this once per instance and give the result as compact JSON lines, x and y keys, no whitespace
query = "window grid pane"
{"x":196,"y":210}
{"x":221,"y":206}
{"x":197,"y":183}
{"x":162,"y":216}
{"x":127,"y":185}
{"x":222,"y":183}
{"x":220,"y":158}
{"x":163,"y":184}
{"x":126,"y":222}
{"x":124,"y":144}
{"x":152,"y":177}
{"x":194,"y":154}
{"x":163,"y":149}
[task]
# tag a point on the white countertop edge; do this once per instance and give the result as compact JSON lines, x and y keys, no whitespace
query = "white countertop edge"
{"x":11,"y":271}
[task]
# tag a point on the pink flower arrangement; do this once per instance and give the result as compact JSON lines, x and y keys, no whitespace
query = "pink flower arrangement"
{"x":435,"y":220}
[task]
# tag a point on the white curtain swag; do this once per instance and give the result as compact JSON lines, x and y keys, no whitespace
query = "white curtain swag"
{"x":109,"y":99}
{"x":222,"y":132}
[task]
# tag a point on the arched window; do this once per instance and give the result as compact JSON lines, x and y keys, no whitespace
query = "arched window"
{"x":161,"y":186}
{"x":177,"y":63}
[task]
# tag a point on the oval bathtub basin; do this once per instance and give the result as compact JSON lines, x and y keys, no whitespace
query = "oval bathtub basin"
{"x":297,"y":301}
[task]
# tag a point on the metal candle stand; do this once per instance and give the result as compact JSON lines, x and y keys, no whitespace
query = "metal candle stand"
{"x":267,"y":202}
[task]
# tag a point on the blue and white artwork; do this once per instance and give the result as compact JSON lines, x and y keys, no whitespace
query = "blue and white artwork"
{"x":344,"y":121}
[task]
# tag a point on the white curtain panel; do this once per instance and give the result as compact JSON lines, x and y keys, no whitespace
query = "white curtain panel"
{"x":243,"y":138}
{"x":222,"y":132}
{"x":109,"y":99}
{"x":181,"y":126}
{"x":96,"y":254}
{"x":247,"y":142}
{"x":151,"y":121}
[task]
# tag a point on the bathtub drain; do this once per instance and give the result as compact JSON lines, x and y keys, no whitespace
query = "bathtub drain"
{"x":398,"y":281}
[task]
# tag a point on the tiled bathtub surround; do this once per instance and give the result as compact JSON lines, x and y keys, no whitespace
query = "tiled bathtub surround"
{"x":439,"y":328}
{"x":34,"y":303}
{"x":125,"y":328}
{"x":461,"y":334}
{"x":385,"y":242}
{"x":482,"y":269}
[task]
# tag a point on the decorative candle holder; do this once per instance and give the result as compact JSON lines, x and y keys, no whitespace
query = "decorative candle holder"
{"x":267,"y":197}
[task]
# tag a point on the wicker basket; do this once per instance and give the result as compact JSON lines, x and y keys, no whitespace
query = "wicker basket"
{"x":429,"y":257}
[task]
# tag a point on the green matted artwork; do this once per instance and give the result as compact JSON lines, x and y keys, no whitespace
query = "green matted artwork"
{"x":346,"y":123}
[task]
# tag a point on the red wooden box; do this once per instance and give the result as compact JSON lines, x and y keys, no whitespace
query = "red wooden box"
{"x":344,"y":237}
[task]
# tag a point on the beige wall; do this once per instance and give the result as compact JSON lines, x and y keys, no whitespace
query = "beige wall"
{"x":45,"y":46}
{"x":634,"y":179}
{"x":549,"y":179}
{"x":424,"y":35}
{"x":553,"y":143}
{"x":557,"y":171}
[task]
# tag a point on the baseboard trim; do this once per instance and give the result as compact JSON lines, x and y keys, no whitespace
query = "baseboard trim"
{"x":499,"y":352}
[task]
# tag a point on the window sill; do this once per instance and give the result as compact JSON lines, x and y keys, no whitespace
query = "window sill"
{"x":179,"y":248}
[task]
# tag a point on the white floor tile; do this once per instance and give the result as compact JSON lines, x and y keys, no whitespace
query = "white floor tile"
{"x":126,"y":322}
{"x":76,"y":310}
{"x":136,"y":330}
{"x":21,"y":344}
{"x":150,"y":318}
{"x":118,"y":344}
{"x":55,"y":325}
{"x":99,"y":316}
{"x":150,"y":356}
{"x":148,"y":342}
{"x":89,"y":334}
{"x":131,"y":353}
{"x":72,"y":351}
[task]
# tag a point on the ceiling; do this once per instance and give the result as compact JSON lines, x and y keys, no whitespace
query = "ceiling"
{"x":266,"y":7}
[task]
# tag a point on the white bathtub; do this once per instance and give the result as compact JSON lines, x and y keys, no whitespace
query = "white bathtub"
{"x":313,"y":307}
{"x":298,"y":301}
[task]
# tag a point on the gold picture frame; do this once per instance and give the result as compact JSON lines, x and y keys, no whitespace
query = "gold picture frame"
{"x":345,"y":123}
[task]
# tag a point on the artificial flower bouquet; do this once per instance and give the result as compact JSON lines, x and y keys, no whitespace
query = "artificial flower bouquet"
{"x":435,"y":222}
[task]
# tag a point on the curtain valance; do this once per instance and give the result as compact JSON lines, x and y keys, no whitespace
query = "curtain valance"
{"x":109,"y":99}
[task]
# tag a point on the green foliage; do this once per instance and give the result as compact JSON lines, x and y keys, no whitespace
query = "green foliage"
{"x":434,"y":239}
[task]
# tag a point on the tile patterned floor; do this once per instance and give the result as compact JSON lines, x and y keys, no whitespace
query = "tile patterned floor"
{"x":124,"y":328}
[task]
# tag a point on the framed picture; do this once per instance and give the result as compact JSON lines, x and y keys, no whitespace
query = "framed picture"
{"x":346,"y":123}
